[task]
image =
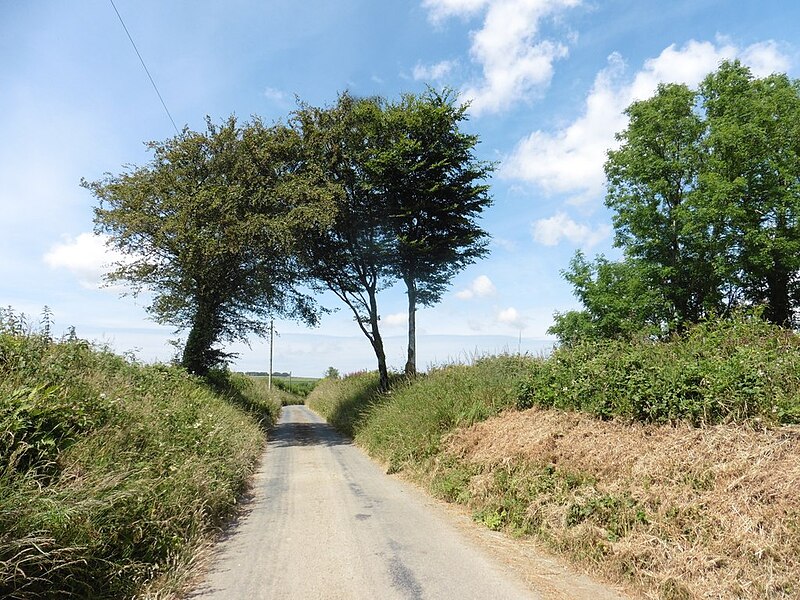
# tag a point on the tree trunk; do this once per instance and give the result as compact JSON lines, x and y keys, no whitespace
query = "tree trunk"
{"x":197,"y":355}
{"x":377,"y":342}
{"x":411,"y":361}
{"x":779,"y":310}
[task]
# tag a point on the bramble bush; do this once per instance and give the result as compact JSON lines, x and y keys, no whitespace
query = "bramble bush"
{"x":717,"y":371}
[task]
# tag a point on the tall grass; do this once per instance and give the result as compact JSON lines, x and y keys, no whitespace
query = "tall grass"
{"x":722,"y":371}
{"x":343,"y":402}
{"x":111,"y":473}
{"x":406,"y":424}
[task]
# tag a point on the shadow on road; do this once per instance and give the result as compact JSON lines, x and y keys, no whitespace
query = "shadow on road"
{"x":289,"y":434}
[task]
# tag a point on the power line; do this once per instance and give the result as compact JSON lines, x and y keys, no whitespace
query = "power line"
{"x":155,"y":87}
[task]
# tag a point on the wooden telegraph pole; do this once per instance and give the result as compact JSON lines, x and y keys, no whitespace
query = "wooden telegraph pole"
{"x":271,"y":340}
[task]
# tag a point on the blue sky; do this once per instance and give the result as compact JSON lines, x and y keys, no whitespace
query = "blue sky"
{"x":547,"y":81}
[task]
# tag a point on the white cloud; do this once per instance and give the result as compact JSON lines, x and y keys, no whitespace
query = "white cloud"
{"x":480,"y":287}
{"x":765,"y":58}
{"x":275,"y":95}
{"x":515,"y":61}
{"x":435,"y":71}
{"x":395,"y":319}
{"x":442,"y":9}
{"x":86,"y":255}
{"x":511,"y":317}
{"x":570,"y":160}
{"x":551,"y":231}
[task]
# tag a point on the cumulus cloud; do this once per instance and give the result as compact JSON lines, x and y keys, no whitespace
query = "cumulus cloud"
{"x":433,"y":72}
{"x":400,"y":318}
{"x":511,"y":317}
{"x":275,"y":95}
{"x":480,"y":287}
{"x":516,"y":62}
{"x":551,"y":231}
{"x":570,"y":160}
{"x":87,"y":256}
{"x":765,"y":58}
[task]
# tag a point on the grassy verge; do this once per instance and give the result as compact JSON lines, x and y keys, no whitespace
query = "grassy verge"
{"x":671,"y":468}
{"x":296,"y":386}
{"x":113,"y":473}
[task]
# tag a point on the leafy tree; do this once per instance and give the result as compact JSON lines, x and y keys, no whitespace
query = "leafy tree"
{"x":753,"y":182}
{"x":350,"y":257}
{"x":618,"y":302}
{"x":427,"y":172}
{"x":203,"y":228}
{"x":706,"y":192}
{"x":659,"y":216}
{"x":407,"y":193}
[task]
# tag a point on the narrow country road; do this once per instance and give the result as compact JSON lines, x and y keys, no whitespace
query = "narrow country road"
{"x":326,"y":522}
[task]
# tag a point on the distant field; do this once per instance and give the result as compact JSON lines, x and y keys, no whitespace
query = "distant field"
{"x":300,"y":387}
{"x":285,"y":378}
{"x":296,"y":379}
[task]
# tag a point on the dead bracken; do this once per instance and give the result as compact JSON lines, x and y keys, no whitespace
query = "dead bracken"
{"x":672,"y":511}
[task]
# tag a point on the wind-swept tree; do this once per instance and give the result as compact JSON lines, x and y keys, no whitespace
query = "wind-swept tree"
{"x":433,"y":189}
{"x":203,"y":227}
{"x":350,"y":257}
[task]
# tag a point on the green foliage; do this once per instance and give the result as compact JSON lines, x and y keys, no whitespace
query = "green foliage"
{"x":659,"y":216}
{"x":752,"y":184}
{"x":111,"y":473}
{"x":203,"y":228}
{"x":407,"y":192}
{"x":350,"y":256}
{"x":617,"y":300}
{"x":516,"y":489}
{"x":718,"y":371}
{"x":431,"y":188}
{"x":617,"y":515}
{"x":344,"y":402}
{"x":705,"y":187}
{"x":406,"y":425}
{"x":300,"y":387}
{"x":248,"y":393}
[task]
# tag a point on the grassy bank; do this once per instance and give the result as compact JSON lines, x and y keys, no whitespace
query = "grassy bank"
{"x":113,"y":473}
{"x":671,"y":468}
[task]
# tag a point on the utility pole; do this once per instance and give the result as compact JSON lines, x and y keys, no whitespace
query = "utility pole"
{"x":271,"y":340}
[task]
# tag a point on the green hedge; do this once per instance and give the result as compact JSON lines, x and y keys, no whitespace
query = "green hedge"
{"x":727,"y":370}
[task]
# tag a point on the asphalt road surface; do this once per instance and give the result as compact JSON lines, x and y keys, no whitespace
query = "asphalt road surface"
{"x":326,"y":522}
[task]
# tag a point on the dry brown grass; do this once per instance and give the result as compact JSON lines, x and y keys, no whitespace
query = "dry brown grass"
{"x":722,"y":503}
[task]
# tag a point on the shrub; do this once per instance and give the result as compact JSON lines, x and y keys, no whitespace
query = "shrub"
{"x":726,"y":370}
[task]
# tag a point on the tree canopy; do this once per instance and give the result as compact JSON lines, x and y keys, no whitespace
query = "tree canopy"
{"x":705,"y":189}
{"x":203,"y":227}
{"x":409,"y":191}
{"x":434,"y":192}
{"x":225,"y":227}
{"x":349,"y":257}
